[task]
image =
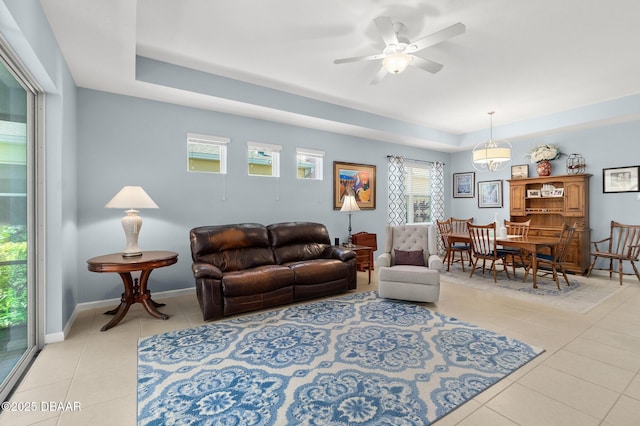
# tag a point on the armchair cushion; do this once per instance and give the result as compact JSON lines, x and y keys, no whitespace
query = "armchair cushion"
{"x":409,"y":257}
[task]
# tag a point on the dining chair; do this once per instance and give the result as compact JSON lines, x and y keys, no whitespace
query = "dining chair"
{"x":444,"y":229}
{"x":623,"y":244}
{"x":520,"y":229}
{"x":483,"y":246}
{"x":557,"y":257}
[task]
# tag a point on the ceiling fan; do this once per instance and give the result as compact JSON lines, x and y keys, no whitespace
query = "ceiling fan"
{"x":398,"y":53}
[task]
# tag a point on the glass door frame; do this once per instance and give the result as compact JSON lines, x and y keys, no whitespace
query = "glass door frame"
{"x":36,"y":214}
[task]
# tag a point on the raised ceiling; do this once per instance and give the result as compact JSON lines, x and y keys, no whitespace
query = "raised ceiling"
{"x":522,"y":59}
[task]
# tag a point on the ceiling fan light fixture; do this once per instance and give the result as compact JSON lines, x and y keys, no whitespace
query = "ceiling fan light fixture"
{"x":395,"y":63}
{"x":491,"y":155}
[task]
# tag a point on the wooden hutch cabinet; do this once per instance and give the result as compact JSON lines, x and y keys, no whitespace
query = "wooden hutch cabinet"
{"x":551,"y":201}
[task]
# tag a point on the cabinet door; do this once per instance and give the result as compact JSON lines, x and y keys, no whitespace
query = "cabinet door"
{"x":517,"y":201}
{"x":574,"y":199}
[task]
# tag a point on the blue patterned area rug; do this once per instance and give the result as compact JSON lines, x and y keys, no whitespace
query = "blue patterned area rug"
{"x":350,"y":360}
{"x":581,"y":295}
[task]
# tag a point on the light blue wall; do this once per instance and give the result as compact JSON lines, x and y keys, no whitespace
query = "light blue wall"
{"x":26,"y":30}
{"x":130,"y":141}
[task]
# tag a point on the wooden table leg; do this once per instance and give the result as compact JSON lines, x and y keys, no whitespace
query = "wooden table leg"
{"x":144,"y":296}
{"x":126,"y":300}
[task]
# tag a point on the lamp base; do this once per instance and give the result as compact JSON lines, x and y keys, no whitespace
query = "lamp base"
{"x":131,"y":254}
{"x":131,"y":224}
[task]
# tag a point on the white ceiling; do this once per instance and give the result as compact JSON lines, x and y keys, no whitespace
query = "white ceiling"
{"x":521,"y":59}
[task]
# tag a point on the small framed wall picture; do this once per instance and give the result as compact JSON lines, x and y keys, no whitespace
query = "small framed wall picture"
{"x":621,"y":179}
{"x":464,"y":185}
{"x":490,"y":194}
{"x":521,"y":171}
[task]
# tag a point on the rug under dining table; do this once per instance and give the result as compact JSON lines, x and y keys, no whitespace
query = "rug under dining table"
{"x":580,"y":296}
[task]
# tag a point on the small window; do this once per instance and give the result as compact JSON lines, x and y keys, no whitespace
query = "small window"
{"x":264,"y":159}
{"x":309,"y":163}
{"x":207,"y":154}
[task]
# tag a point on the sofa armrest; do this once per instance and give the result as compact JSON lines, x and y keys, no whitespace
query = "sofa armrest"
{"x":206,"y":270}
{"x":384,"y":259}
{"x":435,"y":262}
{"x":341,"y":253}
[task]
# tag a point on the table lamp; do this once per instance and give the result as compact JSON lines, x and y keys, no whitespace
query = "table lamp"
{"x":349,"y":205}
{"x":131,"y":198}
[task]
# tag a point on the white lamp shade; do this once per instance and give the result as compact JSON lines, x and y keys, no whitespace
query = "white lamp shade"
{"x":396,"y":62}
{"x":131,"y":197}
{"x":491,"y":155}
{"x":349,"y":204}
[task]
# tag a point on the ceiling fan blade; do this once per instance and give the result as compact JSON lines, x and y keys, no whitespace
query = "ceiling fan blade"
{"x":437,"y":37}
{"x":425,"y":64}
{"x":379,"y":76}
{"x":385,"y":26}
{"x":359,"y":58}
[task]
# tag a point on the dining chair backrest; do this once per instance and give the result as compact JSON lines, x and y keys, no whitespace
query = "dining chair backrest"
{"x":624,"y":240}
{"x":517,"y":228}
{"x":460,"y":225}
{"x":444,"y":229}
{"x":562,"y":249}
{"x":482,"y":239}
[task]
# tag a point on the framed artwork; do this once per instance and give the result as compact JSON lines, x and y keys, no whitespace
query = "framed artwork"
{"x":464,"y":185}
{"x":558,"y":192}
{"x":620,"y":179}
{"x":533,"y":193}
{"x":521,"y":171}
{"x":359,"y":178}
{"x":490,"y":194}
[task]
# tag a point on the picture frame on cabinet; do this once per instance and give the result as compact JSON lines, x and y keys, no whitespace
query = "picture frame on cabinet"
{"x":621,"y":179}
{"x":464,"y":185}
{"x":533,"y":193}
{"x":490,"y":194}
{"x":520,"y":171}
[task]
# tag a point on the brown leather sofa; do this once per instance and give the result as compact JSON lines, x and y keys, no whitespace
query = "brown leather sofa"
{"x":249,"y":266}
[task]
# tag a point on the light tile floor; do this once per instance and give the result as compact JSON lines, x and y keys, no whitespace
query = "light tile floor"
{"x":588,"y":375}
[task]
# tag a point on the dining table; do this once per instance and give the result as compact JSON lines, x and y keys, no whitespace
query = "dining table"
{"x":531,"y":244}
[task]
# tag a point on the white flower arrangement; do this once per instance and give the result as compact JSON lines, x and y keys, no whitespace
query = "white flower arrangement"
{"x":544,"y":152}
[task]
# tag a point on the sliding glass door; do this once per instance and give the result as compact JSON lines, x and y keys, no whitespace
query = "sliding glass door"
{"x":17,"y":207}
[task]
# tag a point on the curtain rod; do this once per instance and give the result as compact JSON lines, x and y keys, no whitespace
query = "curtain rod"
{"x":416,"y":160}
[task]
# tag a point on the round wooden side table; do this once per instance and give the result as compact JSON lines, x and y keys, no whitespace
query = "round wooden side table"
{"x":134,"y":291}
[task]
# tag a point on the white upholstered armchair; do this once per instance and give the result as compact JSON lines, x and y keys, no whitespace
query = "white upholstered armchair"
{"x":409,"y":267}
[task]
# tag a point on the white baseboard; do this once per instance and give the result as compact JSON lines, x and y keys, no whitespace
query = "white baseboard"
{"x":60,"y":335}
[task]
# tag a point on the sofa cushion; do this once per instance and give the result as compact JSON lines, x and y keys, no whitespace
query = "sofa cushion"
{"x":409,"y":257}
{"x":232,"y":247}
{"x":318,"y":271}
{"x":298,"y":241}
{"x":262,"y":279}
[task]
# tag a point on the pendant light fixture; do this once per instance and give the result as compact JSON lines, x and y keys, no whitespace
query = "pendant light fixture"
{"x":492,"y":155}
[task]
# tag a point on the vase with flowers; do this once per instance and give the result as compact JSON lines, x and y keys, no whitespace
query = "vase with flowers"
{"x":541,"y":155}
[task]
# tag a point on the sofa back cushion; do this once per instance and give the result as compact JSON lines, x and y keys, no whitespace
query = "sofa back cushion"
{"x":297,"y":241}
{"x":232,"y":247}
